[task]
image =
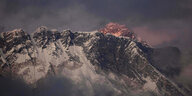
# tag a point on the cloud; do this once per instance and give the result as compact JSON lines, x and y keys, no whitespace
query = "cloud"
{"x":158,"y":19}
{"x":60,"y":86}
{"x":166,"y":33}
{"x":60,"y":15}
{"x":53,"y":86}
{"x":153,"y":38}
{"x":11,"y":87}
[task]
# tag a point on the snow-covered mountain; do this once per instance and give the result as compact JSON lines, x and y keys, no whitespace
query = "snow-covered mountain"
{"x":89,"y":58}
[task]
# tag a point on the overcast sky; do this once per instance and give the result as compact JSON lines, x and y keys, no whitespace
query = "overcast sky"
{"x":159,"y":22}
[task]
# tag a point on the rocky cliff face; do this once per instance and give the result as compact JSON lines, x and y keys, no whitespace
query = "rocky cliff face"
{"x":89,"y":58}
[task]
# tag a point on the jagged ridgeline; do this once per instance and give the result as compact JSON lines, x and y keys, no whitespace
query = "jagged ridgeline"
{"x":89,"y":58}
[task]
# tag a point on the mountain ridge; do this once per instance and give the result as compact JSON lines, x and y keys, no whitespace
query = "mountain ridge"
{"x":120,"y":62}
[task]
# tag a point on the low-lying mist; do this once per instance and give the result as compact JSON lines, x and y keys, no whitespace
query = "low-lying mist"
{"x":57,"y":86}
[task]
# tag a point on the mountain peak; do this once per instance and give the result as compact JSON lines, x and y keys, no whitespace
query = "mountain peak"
{"x":117,"y":30}
{"x":14,"y":33}
{"x":41,"y":29}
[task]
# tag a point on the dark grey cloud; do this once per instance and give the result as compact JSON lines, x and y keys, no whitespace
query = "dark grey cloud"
{"x":52,"y":86}
{"x":11,"y":87}
{"x":112,"y":10}
{"x":148,"y":9}
{"x":54,"y":14}
{"x":167,"y":19}
{"x":58,"y":86}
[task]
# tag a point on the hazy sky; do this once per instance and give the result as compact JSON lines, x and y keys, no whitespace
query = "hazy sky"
{"x":159,"y":22}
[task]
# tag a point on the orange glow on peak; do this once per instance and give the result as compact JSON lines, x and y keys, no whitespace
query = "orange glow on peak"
{"x":117,"y":30}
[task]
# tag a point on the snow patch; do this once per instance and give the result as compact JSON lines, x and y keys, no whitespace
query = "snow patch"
{"x":150,"y":85}
{"x":22,"y":58}
{"x":2,"y":56}
{"x":86,"y":70}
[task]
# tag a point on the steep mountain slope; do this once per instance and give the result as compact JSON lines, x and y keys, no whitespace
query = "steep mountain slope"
{"x":89,"y":58}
